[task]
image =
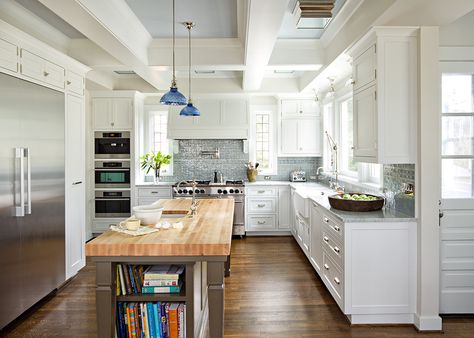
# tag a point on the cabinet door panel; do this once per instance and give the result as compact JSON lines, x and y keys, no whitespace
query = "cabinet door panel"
{"x":283,"y":208}
{"x":289,"y":136}
{"x":364,"y":68}
{"x":365,"y":123}
{"x":101,"y":113}
{"x":8,"y":56}
{"x":309,"y":136}
{"x":75,"y":83}
{"x":122,"y":113}
{"x":309,"y":108}
{"x":75,"y":139}
{"x":290,"y":107}
{"x":316,"y":248}
{"x":75,"y":230}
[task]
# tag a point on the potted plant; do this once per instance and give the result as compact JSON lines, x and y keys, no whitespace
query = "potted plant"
{"x":154,"y":161}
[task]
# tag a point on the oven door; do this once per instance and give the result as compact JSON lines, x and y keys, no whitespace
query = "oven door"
{"x":112,"y":177}
{"x":106,"y":207}
{"x":112,"y":148}
{"x":239,"y":217}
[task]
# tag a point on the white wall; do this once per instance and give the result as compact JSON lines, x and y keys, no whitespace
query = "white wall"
{"x":458,"y":33}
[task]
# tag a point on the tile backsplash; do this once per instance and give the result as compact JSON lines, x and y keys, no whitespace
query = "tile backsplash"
{"x":394,"y":176}
{"x":288,"y":164}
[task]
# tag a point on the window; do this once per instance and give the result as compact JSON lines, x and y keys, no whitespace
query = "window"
{"x":263,"y":134}
{"x":457,"y":135}
{"x":338,"y":122}
{"x":158,"y":137}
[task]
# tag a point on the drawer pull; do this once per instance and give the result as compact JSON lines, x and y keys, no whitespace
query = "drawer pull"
{"x":45,"y":73}
{"x":336,"y":249}
{"x":326,"y":266}
{"x":261,"y":205}
{"x":337,"y":280}
{"x":337,"y":228}
{"x":261,"y":191}
{"x":153,"y":192}
{"x":68,"y":82}
{"x":326,"y":220}
{"x":325,"y":239}
{"x":261,"y":222}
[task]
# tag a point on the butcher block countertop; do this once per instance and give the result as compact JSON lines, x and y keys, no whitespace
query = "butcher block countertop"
{"x":208,"y":233}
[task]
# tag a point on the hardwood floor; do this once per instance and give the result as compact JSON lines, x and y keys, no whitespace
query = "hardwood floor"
{"x":273,"y":292}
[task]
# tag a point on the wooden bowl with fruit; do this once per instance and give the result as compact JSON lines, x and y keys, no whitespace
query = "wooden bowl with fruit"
{"x":356,"y":202}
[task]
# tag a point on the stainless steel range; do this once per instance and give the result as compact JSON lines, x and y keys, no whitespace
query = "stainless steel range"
{"x":229,"y":189}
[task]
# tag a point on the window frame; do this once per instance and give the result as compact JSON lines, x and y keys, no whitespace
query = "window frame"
{"x":150,"y":112}
{"x":273,"y":146}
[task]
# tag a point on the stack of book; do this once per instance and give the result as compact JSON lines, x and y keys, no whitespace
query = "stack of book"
{"x":129,"y":279}
{"x":163,"y":279}
{"x":151,"y":320}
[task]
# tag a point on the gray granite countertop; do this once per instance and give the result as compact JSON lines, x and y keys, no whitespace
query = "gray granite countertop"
{"x":260,"y":183}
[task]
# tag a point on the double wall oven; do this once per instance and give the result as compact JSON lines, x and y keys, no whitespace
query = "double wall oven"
{"x":112,"y":174}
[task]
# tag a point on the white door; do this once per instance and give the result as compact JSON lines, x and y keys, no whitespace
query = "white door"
{"x":289,"y":136}
{"x":75,"y":185}
{"x":101,"y":113}
{"x":122,"y":113}
{"x":457,"y":207}
{"x":365,"y":123}
{"x":284,"y":208}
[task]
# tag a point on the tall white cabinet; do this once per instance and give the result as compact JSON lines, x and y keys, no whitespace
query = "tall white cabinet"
{"x":385,"y":95}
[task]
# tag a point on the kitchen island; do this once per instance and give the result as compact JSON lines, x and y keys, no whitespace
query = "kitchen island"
{"x":202,"y":245}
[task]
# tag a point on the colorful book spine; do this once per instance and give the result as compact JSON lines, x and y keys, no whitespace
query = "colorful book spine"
{"x":122,"y":279}
{"x":128,"y":284}
{"x":151,"y":320}
{"x":157,"y":317}
{"x":161,"y":289}
{"x":120,"y":323}
{"x":137,"y":278}
{"x":132,"y":320}
{"x":138,"y":315}
{"x":173,"y":320}
{"x":181,"y":322}
{"x":117,"y":281}
{"x":146,"y":332}
{"x":132,"y":279}
{"x":164,"y":323}
{"x":160,"y":282}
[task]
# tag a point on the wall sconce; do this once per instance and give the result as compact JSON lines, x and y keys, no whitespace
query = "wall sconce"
{"x":331,"y":91}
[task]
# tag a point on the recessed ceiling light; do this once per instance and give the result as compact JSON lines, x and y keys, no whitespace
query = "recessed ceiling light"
{"x":125,"y":72}
{"x":204,"y":71}
{"x":283,"y":71}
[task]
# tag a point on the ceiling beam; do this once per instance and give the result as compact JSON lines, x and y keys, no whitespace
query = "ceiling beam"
{"x":264,"y":20}
{"x":103,"y":23}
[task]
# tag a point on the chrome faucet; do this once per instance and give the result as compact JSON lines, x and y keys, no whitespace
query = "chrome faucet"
{"x":193,"y":208}
{"x":334,"y":184}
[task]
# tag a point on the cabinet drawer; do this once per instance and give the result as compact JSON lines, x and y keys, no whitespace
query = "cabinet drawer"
{"x":75,"y":83}
{"x":154,"y":192}
{"x":333,"y":227}
{"x":261,"y":205}
{"x":37,"y":68}
{"x":364,"y":69}
{"x":261,"y":191}
{"x":147,"y":201}
{"x":333,"y":248}
{"x":261,"y":222}
{"x":8,"y":56}
{"x":334,"y":278}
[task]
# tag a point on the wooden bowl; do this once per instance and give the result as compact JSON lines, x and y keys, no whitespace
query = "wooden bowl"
{"x":354,"y":205}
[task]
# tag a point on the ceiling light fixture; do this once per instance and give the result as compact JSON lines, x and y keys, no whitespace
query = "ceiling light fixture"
{"x":173,"y":97}
{"x":189,"y":110}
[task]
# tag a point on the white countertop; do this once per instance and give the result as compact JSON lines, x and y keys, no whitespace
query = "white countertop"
{"x":151,"y":184}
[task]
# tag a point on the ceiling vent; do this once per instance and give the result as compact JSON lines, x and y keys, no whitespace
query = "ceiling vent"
{"x":313,"y":14}
{"x":124,"y":72}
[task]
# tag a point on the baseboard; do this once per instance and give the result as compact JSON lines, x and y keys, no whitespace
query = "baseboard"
{"x":425,"y":323}
{"x":381,"y":319}
{"x":268,"y":233}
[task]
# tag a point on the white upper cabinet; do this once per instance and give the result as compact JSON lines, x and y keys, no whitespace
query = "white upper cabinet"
{"x":74,"y":83}
{"x":385,"y":95}
{"x":300,"y":128}
{"x":8,"y":56}
{"x":219,"y":119}
{"x":37,"y":68}
{"x":112,"y":113}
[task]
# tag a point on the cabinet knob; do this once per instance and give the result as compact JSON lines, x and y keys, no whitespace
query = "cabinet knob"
{"x":326,"y":239}
{"x":68,"y":82}
{"x":153,"y":192}
{"x":326,"y":266}
{"x":261,"y":205}
{"x":337,"y":228}
{"x":261,"y":222}
{"x":301,"y":148}
{"x":352,"y":148}
{"x":261,"y":191}
{"x":337,"y":280}
{"x":301,"y":112}
{"x":326,"y":220}
{"x":112,"y":124}
{"x":336,"y":249}
{"x":45,"y":73}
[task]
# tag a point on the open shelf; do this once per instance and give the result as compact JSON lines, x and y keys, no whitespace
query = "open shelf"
{"x":155,"y":297}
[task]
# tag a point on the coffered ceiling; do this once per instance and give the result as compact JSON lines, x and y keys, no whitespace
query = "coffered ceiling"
{"x":239,"y":46}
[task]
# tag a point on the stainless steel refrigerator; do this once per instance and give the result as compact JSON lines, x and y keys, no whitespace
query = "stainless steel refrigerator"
{"x":32,"y":223}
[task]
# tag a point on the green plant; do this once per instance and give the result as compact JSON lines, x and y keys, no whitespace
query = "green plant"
{"x":154,"y":161}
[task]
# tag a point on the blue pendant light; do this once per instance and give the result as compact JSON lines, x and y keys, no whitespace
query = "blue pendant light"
{"x":190,"y":109}
{"x":173,"y":97}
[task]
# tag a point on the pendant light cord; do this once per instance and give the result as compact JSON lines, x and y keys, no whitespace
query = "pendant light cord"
{"x":174,"y":76}
{"x":189,"y":69}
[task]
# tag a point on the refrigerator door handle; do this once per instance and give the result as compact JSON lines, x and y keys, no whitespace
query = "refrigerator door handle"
{"x":28,"y":181}
{"x":20,"y":210}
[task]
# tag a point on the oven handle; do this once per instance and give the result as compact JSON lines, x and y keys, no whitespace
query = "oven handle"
{"x":113,"y":169}
{"x":111,"y":199}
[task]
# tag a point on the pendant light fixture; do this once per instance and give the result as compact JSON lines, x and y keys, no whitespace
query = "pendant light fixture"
{"x":189,"y":110}
{"x":173,"y":97}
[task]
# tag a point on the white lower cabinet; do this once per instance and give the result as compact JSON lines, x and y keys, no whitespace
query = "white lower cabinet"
{"x":150,"y":195}
{"x":267,"y":209}
{"x":368,"y":267}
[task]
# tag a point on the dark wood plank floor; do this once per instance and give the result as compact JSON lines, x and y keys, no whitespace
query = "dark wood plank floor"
{"x":272,"y":292}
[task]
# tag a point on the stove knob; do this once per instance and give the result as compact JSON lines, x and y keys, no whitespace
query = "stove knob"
{"x":180,"y":191}
{"x":225,"y":192}
{"x":190,"y":192}
{"x":237,"y":191}
{"x":202,"y":191}
{"x":197,"y":191}
{"x":219,"y":191}
{"x":231,"y":191}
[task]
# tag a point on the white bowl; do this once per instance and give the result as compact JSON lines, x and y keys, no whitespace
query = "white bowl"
{"x":148,"y":214}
